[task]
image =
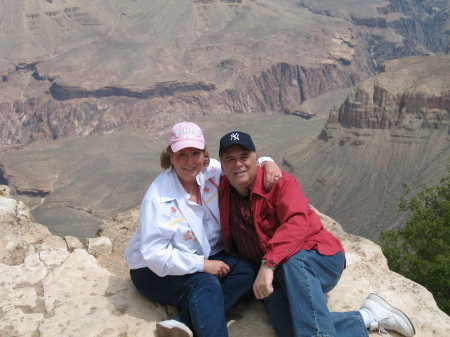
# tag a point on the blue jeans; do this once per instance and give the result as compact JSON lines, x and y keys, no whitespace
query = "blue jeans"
{"x":201,"y":298}
{"x":297,"y":307}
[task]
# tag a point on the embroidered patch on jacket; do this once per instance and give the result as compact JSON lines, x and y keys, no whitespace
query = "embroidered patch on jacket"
{"x":206,"y":189}
{"x":173,"y":209}
{"x":189,"y":235}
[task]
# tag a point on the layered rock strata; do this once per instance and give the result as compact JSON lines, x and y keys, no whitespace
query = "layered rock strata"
{"x":69,"y":111}
{"x":148,"y":64}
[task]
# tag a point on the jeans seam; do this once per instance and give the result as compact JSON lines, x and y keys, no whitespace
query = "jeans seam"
{"x":303,"y":269}
{"x":199,"y":319}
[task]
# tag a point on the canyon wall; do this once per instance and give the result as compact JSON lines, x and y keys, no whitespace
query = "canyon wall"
{"x":85,"y":68}
{"x":72,"y":111}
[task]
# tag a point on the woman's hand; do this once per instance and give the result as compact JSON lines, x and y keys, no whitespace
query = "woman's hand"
{"x":217,"y":268}
{"x":272,"y":174}
{"x":262,"y":287}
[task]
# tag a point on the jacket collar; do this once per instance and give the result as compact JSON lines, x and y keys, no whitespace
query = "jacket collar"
{"x":169,"y":189}
{"x":258,"y":185}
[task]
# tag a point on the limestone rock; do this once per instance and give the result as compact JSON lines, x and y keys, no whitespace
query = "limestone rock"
{"x":99,"y":246}
{"x":73,"y":243}
{"x":51,"y":290}
{"x":5,"y":191}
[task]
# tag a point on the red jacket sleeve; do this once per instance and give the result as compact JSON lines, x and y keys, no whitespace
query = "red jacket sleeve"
{"x":286,"y":224}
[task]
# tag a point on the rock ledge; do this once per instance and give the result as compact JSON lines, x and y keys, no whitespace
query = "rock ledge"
{"x":52,"y":286}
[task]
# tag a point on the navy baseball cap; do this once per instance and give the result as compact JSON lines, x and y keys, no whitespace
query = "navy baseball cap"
{"x":236,"y":138}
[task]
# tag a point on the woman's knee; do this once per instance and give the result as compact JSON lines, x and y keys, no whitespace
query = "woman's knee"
{"x":209,"y":293}
{"x":211,"y":284}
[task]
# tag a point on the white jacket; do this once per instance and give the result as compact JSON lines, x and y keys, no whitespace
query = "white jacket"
{"x":171,"y":239}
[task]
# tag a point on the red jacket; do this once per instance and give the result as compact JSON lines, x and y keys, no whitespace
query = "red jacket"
{"x":283,"y":220}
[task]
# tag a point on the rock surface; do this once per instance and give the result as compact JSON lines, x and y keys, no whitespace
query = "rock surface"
{"x":50,"y":290}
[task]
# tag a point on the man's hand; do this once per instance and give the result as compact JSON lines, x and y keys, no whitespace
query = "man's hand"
{"x":272,"y":174}
{"x":214,"y":267}
{"x":262,"y":287}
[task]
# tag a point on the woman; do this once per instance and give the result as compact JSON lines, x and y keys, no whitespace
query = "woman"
{"x":176,"y":256}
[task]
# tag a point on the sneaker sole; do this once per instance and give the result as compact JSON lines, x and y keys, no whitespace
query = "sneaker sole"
{"x":164,"y":331}
{"x":383,"y":303}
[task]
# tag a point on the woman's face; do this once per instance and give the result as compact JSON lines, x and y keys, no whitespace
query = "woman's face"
{"x":187,"y":163}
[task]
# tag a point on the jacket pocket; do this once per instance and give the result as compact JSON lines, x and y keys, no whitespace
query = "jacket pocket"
{"x":268,"y":222}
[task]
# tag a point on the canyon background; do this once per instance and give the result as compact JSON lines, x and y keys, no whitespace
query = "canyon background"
{"x":90,"y":89}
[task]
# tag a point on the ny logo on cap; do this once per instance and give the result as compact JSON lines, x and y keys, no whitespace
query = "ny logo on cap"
{"x":234,"y":136}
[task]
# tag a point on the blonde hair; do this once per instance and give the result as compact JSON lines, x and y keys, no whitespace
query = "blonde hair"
{"x":165,"y":157}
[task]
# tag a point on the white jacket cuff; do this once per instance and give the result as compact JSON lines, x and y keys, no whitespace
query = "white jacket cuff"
{"x":200,"y":263}
{"x":263,"y":159}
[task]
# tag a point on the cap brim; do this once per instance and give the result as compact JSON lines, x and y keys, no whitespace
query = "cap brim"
{"x":187,"y":143}
{"x":226,"y":147}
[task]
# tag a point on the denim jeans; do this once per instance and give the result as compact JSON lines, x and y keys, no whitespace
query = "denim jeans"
{"x":202,"y":298}
{"x":297,"y":307}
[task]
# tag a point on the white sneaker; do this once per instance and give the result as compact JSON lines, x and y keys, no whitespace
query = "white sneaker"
{"x":387,"y":317}
{"x":173,"y":328}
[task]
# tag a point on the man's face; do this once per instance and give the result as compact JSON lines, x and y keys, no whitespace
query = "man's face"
{"x":239,"y":165}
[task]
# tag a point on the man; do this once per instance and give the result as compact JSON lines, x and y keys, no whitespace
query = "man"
{"x":299,"y":260}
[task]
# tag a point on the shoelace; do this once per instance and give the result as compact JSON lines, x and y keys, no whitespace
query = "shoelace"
{"x":379,"y":327}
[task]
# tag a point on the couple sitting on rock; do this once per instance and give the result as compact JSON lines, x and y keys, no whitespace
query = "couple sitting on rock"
{"x":212,"y":232}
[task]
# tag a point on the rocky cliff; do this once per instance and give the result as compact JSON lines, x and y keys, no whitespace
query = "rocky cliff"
{"x":53,"y":286}
{"x":91,"y":68}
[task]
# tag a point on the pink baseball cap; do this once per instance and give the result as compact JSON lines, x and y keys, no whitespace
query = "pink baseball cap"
{"x":186,"y":134}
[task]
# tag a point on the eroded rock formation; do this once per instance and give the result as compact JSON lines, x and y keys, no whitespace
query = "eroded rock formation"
{"x":399,"y":98}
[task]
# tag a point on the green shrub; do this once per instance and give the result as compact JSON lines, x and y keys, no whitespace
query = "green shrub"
{"x":421,"y":250}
